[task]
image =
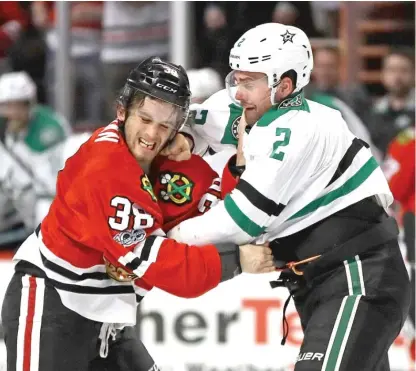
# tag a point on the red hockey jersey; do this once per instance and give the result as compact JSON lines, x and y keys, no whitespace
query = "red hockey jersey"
{"x":102,"y":243}
{"x":184,"y":189}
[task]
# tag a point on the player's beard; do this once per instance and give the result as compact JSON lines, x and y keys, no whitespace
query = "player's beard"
{"x":254,"y":115}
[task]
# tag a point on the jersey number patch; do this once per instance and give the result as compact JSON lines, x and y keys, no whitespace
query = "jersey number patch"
{"x":128,"y":215}
{"x":200,"y":116}
{"x":284,"y":134}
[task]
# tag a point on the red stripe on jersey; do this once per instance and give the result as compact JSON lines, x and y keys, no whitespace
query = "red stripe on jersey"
{"x":29,"y":324}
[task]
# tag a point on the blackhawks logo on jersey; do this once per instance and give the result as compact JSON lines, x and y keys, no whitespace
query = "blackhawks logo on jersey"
{"x":176,"y":188}
{"x":147,"y":186}
{"x":118,"y":273}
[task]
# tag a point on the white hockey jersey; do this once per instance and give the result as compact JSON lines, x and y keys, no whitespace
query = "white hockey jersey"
{"x":302,"y":165}
{"x":216,"y":123}
{"x":16,"y":187}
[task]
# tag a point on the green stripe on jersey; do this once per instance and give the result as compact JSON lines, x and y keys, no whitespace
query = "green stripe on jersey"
{"x":350,"y":185}
{"x":242,"y":220}
{"x":342,"y":328}
{"x":346,"y":315}
{"x":351,"y":266}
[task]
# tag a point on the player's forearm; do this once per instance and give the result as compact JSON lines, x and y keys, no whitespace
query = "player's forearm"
{"x":215,"y":226}
{"x":180,"y":269}
{"x":194,"y":270}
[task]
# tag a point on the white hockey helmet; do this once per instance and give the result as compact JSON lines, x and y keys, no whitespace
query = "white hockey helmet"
{"x":273,"y":49}
{"x":204,"y":82}
{"x":17,"y":87}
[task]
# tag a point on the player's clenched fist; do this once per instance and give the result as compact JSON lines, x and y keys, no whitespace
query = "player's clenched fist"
{"x":178,"y":150}
{"x":256,"y":259}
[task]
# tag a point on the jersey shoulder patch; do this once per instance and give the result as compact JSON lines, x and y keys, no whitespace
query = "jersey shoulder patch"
{"x":293,"y":103}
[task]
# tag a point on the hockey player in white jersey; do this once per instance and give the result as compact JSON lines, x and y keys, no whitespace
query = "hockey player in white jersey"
{"x":314,"y":191}
{"x":31,"y":193}
{"x":17,"y":186}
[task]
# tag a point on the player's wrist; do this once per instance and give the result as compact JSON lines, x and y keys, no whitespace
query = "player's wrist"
{"x":230,"y":260}
{"x":235,"y":170}
{"x":189,"y":139}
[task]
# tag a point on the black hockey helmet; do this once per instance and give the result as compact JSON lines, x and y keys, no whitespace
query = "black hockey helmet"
{"x":162,"y":80}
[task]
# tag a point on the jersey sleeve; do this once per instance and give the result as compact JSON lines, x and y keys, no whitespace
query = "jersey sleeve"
{"x":229,"y":178}
{"x":200,"y":145}
{"x":262,"y":192}
{"x":128,"y":234}
{"x":209,"y":124}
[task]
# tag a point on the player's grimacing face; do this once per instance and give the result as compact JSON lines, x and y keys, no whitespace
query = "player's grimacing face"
{"x":253,"y":93}
{"x":148,"y":127}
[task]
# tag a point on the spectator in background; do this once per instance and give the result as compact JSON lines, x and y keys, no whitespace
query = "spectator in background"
{"x":326,"y":80}
{"x":203,"y":83}
{"x":217,"y":40}
{"x":295,"y":14}
{"x":224,"y":22}
{"x":285,"y":13}
{"x":13,"y":20}
{"x":325,"y":15}
{"x":28,"y":53}
{"x":85,"y":50}
{"x":396,"y":110}
{"x":132,"y":32}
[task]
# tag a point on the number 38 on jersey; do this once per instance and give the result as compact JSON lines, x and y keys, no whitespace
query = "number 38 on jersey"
{"x":128,"y":215}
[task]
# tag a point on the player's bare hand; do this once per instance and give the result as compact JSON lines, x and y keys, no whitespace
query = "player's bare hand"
{"x":256,"y":259}
{"x":178,"y":150}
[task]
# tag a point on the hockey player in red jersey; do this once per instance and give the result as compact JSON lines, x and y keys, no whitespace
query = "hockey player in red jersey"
{"x":101,"y":247}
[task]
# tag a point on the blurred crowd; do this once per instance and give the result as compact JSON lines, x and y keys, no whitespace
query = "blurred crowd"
{"x":109,"y":38}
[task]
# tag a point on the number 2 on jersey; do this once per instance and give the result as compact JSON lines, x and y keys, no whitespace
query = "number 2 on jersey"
{"x":200,"y":117}
{"x":278,"y":155}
